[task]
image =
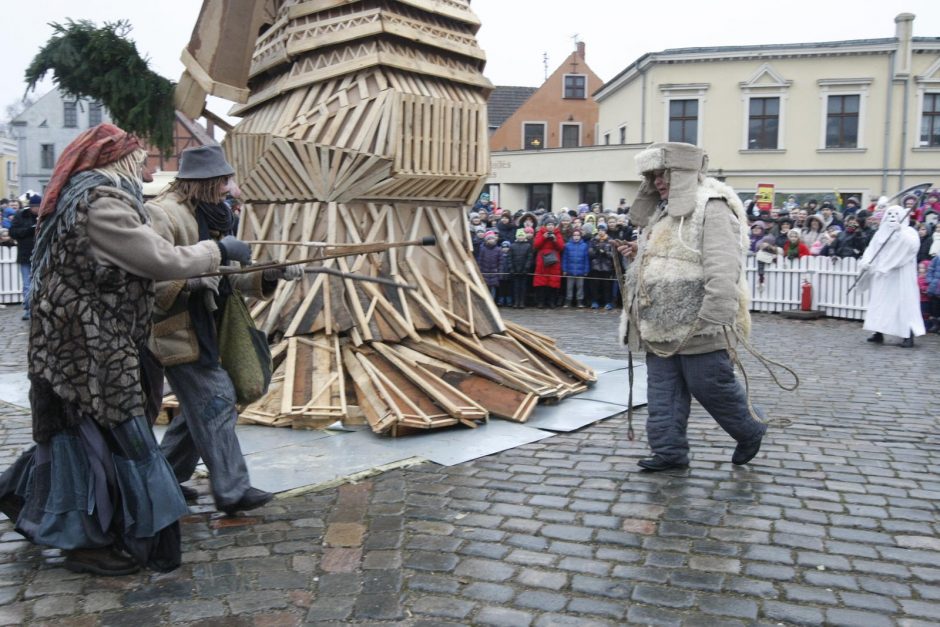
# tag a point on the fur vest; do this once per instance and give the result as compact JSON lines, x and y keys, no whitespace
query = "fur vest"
{"x":666,"y":284}
{"x":88,"y":322}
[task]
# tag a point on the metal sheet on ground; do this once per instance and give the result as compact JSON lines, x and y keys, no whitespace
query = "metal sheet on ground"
{"x":14,"y":389}
{"x":612,"y":386}
{"x":602,"y":364}
{"x":457,"y":445}
{"x":319,"y":462}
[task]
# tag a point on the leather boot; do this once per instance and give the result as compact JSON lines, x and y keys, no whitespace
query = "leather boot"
{"x":876,"y":338}
{"x":107,"y":562}
{"x":907,"y":342}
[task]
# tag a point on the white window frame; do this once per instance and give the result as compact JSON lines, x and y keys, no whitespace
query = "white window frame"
{"x":544,"y":133}
{"x":564,"y":81}
{"x":757,"y":86}
{"x":684,"y":91}
{"x":927,"y":83}
{"x":844,"y":87}
{"x":561,"y":133}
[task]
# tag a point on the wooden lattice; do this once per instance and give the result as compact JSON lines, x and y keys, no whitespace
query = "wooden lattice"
{"x":366,"y":122}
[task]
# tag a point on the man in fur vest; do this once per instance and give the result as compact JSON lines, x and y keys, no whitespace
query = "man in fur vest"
{"x":185,"y":338}
{"x":686,"y":299}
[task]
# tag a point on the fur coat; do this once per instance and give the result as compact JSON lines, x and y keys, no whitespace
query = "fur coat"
{"x":687,"y":283}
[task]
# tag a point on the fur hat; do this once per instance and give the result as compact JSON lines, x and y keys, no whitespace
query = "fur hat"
{"x":684,"y":164}
{"x":204,"y":162}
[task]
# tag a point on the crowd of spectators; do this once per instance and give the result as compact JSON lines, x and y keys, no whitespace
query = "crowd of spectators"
{"x":545,"y":259}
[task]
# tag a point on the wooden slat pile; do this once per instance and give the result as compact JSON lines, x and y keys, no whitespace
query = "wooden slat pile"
{"x":366,"y":123}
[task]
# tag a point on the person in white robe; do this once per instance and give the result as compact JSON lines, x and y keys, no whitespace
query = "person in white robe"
{"x":889,"y":266}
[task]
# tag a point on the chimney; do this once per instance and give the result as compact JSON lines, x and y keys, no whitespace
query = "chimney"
{"x":580,"y":46}
{"x":904,"y":32}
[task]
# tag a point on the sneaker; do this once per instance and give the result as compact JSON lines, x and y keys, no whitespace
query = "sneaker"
{"x":581,"y":304}
{"x":25,"y":315}
{"x":107,"y":562}
{"x":595,"y":306}
{"x":252,"y":499}
{"x":608,"y":306}
{"x":567,"y":304}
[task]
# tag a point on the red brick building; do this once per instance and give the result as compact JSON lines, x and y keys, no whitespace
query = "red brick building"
{"x":560,"y":114}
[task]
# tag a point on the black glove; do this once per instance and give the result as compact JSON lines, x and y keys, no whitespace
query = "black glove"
{"x":233,"y":249}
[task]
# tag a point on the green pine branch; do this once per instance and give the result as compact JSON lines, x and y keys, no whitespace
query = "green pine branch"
{"x":104,"y":65}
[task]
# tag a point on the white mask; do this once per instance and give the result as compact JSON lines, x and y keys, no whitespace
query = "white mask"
{"x":893,"y":218}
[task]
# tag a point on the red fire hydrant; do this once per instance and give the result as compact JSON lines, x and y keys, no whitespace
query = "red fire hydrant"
{"x":806,"y":296}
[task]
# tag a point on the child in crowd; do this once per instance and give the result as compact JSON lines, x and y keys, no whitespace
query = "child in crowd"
{"x":504,"y":294}
{"x":520,"y":262}
{"x":488,"y":259}
{"x":601,"y":252}
{"x":575,"y":265}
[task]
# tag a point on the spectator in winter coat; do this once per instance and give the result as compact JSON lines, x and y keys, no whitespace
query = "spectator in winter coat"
{"x":813,"y":231}
{"x":521,"y":259}
{"x":851,"y":242}
{"x":923,"y":253}
{"x":783,"y":227}
{"x":601,"y":253}
{"x":23,"y":230}
{"x":488,"y":259}
{"x":933,"y":294}
{"x":476,"y":239}
{"x":575,"y":264}
{"x":548,"y":246}
{"x":505,"y":229}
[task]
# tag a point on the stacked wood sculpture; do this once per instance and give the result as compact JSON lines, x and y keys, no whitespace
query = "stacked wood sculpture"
{"x":366,"y":124}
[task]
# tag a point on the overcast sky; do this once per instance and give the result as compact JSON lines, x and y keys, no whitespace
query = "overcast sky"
{"x":515,"y":33}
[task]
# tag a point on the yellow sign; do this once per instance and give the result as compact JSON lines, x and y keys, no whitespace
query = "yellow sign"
{"x":765,"y":196}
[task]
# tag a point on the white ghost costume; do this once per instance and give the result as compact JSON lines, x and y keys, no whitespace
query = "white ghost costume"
{"x":894,"y":303}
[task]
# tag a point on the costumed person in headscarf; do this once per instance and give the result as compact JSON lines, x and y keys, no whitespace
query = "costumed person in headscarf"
{"x":889,"y":265}
{"x":185,"y":334}
{"x":686,"y":299}
{"x":96,"y":484}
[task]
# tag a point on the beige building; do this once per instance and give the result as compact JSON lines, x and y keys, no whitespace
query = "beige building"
{"x":854,"y":117}
{"x":9,"y":175}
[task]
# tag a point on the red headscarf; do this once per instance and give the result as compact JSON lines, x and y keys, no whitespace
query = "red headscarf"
{"x":96,"y":147}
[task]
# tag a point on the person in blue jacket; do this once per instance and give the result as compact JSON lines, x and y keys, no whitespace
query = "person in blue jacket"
{"x":575,"y":265}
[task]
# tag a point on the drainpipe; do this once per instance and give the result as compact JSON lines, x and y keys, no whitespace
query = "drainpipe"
{"x":902,"y":71}
{"x":885,"y":161}
{"x":643,"y":110}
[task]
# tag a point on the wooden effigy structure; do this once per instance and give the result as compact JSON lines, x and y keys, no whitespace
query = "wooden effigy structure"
{"x":364,"y":122}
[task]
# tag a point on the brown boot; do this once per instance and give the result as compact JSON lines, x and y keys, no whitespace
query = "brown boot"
{"x":107,"y":562}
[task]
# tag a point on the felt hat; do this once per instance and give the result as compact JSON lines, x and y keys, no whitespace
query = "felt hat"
{"x":204,"y":162}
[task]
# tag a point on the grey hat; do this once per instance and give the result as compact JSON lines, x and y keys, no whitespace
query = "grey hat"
{"x":204,"y":162}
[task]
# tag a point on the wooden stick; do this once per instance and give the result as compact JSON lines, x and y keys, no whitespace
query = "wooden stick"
{"x":225,"y":271}
{"x":353,"y":248}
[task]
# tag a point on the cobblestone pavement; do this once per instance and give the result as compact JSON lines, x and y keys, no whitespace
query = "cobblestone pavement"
{"x":836,"y":522}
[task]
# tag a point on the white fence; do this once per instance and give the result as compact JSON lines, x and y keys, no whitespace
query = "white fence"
{"x":830,"y":277}
{"x":781,"y":289}
{"x":11,"y":286}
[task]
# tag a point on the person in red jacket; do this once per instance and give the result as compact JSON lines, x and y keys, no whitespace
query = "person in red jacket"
{"x":548,"y":246}
{"x":794,"y":248}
